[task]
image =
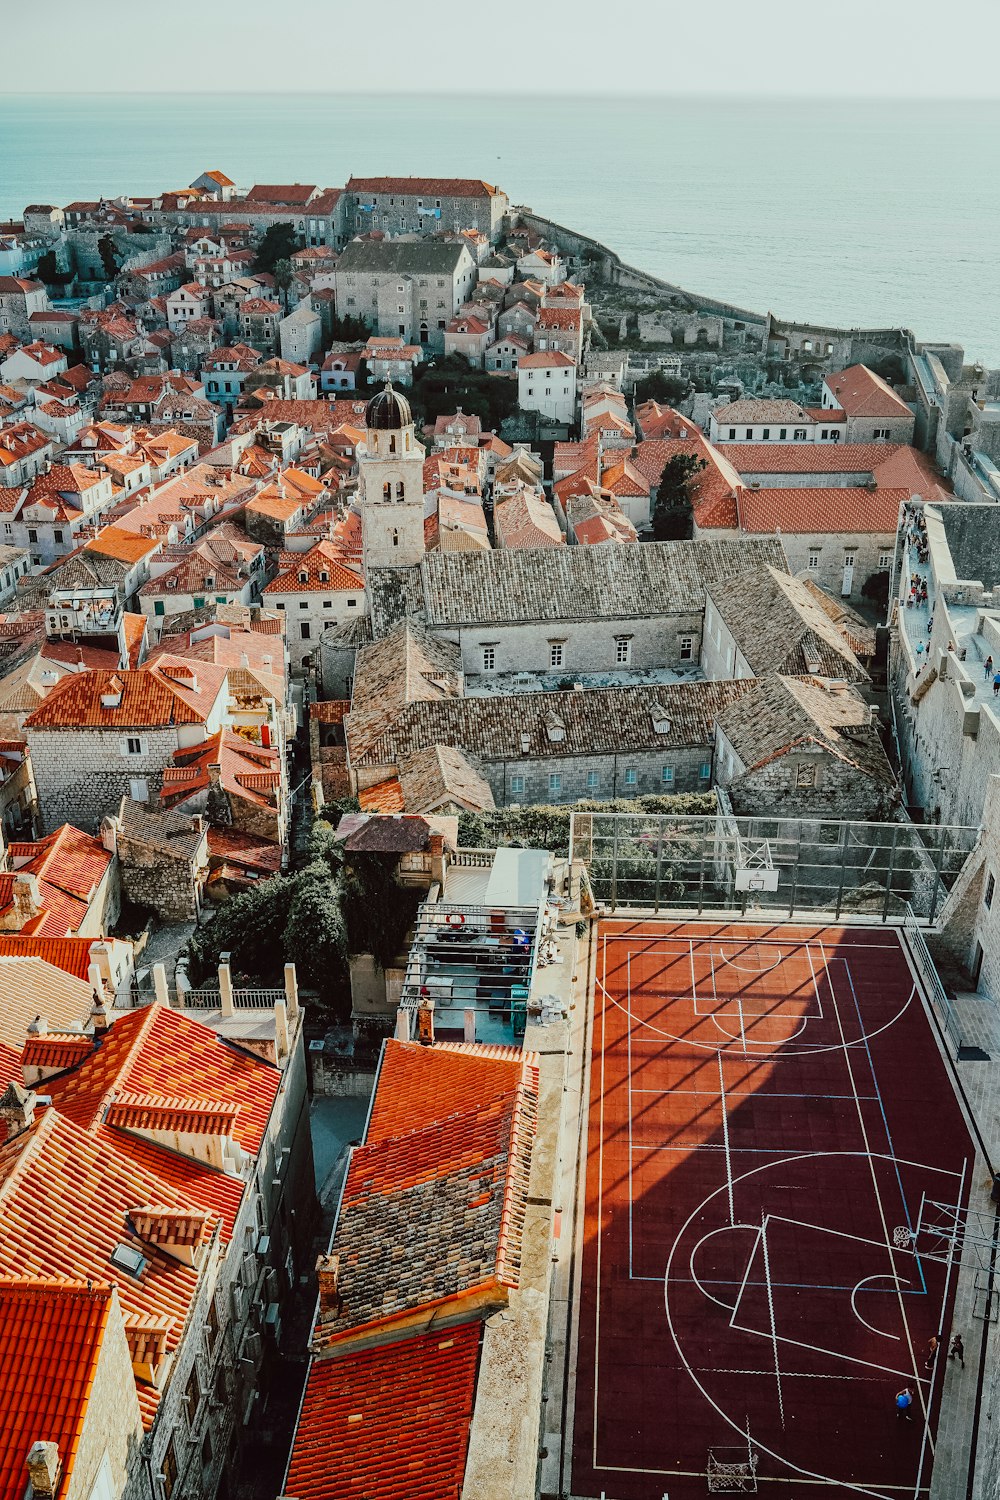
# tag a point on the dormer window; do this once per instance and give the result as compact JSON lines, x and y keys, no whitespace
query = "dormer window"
{"x":555,"y":728}
{"x":324,"y":578}
{"x":303,"y":576}
{"x":525,"y":742}
{"x":660,"y":718}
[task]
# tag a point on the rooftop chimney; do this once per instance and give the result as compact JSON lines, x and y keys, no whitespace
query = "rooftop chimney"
{"x":27,"y":902}
{"x":98,"y":1011}
{"x":17,"y":1111}
{"x":328,"y":1276}
{"x":44,"y":1470}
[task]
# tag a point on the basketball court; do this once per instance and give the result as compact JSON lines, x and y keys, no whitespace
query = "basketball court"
{"x":774,"y":1144}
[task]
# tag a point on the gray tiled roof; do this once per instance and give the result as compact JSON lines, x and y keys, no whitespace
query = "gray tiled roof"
{"x":594,"y":721}
{"x":779,"y":627}
{"x":780,"y":713}
{"x":401,"y":257}
{"x":565,"y":583}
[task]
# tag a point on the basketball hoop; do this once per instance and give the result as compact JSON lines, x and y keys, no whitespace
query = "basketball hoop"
{"x":732,"y":1471}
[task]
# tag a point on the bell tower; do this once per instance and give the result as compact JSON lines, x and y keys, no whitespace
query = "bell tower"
{"x":391,"y":469}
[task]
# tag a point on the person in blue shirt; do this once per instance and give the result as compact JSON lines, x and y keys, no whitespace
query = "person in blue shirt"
{"x":904,"y":1400}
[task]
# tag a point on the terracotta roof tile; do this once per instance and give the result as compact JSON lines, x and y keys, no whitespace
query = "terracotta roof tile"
{"x":51,"y":1334}
{"x":387,"y":1424}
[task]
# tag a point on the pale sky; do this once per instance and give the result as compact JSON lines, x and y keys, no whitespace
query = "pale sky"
{"x":873,"y":48}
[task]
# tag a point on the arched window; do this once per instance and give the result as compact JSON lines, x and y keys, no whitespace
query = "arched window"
{"x":395,"y":537}
{"x":387,"y":491}
{"x":392,"y":442}
{"x":400,"y":492}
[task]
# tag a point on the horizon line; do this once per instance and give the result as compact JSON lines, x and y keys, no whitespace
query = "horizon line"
{"x":352,"y":93}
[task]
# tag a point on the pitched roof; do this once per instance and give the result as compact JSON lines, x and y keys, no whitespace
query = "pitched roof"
{"x":593,"y":721}
{"x":449,"y":1186}
{"x":30,"y":987}
{"x":401,"y":257}
{"x":821,"y":511}
{"x":323,"y":559}
{"x":549,"y":359}
{"x":71,"y":954}
{"x":387,"y":1424}
{"x":753,"y":411}
{"x":51,"y":1336}
{"x":782,"y":714}
{"x":566,"y":583}
{"x":862,"y":393}
{"x":144,"y":698}
{"x":779,"y":627}
{"x":432,"y":187}
{"x":441,"y":776}
{"x":525,"y":519}
{"x":125,"y":546}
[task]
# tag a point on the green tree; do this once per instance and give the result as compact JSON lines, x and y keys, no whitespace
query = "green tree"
{"x":283,"y":273}
{"x":249,"y":928}
{"x":673,"y":517}
{"x":349,"y":330}
{"x":443,"y":384}
{"x":278,"y":243}
{"x":667,"y":389}
{"x":377,"y":910}
{"x":314,"y":935}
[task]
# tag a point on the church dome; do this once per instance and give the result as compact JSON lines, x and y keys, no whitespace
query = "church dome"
{"x":388,"y":411}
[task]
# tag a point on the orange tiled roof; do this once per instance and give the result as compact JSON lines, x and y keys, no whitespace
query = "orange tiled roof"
{"x":383,"y":797}
{"x":821,"y":511}
{"x":51,"y":1332}
{"x":125,"y":546}
{"x":159,"y":1060}
{"x":862,"y":393}
{"x":65,"y":1198}
{"x":388,"y":1424}
{"x":147,"y":699}
{"x":71,"y":954}
{"x":323,"y":558}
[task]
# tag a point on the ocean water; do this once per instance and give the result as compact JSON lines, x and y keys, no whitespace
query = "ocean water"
{"x":832,"y":211}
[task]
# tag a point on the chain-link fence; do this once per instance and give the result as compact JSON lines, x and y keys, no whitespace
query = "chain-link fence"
{"x":769,"y":866}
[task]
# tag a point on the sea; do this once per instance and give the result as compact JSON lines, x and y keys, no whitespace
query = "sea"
{"x":849,"y":212}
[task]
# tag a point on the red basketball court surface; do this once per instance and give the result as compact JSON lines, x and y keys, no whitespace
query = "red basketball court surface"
{"x":771,"y":1127}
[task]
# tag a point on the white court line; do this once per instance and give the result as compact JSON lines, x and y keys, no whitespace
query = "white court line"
{"x":628,"y":1080}
{"x":725,"y":1137}
{"x":878,"y":1197}
{"x":940,"y":1326}
{"x":770,"y":1313}
{"x":804,"y":1475}
{"x":600,"y":1214}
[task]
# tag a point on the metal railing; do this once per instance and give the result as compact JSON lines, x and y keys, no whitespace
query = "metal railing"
{"x":936,"y":993}
{"x":132,"y":997}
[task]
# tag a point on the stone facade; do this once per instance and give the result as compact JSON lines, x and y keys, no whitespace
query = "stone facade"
{"x":163,"y":859}
{"x":405,"y":290}
{"x":112,"y":1429}
{"x":81,"y":774}
{"x":399,"y":205}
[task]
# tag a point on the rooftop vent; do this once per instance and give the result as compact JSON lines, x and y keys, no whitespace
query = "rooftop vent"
{"x":128,"y":1258}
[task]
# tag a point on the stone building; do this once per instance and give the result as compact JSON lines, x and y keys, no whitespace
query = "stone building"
{"x":766,"y":621}
{"x":838,"y":537}
{"x":408,"y":289}
{"x":19,"y":298}
{"x":531,"y":747}
{"x":946,"y":714}
{"x":314,"y":590}
{"x":162,"y":858}
{"x":391,"y":480}
{"x":300,"y":334}
{"x":100,"y":736}
{"x":546,"y":383}
{"x":801,"y":747}
{"x":750,"y":420}
{"x":424,"y":205}
{"x":560,"y":613}
{"x":873,"y":412}
{"x":257,"y":324}
{"x":969,"y":923}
